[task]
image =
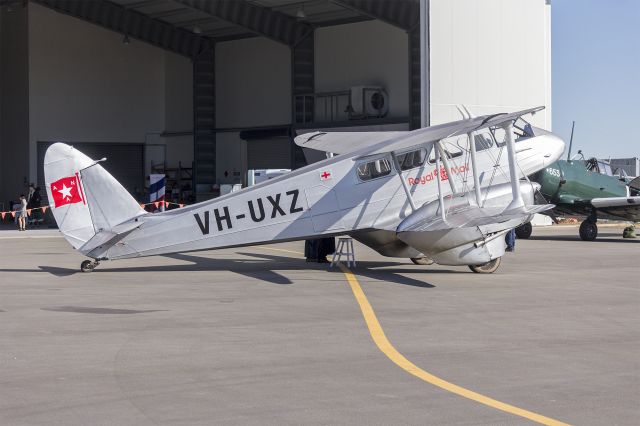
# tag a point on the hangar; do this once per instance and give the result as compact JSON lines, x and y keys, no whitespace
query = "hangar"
{"x":206,"y":90}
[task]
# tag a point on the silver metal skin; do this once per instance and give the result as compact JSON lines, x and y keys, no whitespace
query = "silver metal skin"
{"x":325,"y":198}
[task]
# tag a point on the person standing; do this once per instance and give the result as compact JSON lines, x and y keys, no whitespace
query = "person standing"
{"x":33,"y":204}
{"x":32,"y":189}
{"x":510,"y":239}
{"x":22,"y":214}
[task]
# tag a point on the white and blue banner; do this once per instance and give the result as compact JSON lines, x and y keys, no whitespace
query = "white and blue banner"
{"x":157,"y":185}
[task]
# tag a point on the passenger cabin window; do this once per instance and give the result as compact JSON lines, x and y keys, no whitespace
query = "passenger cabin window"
{"x":374,"y":169}
{"x":412,"y":159}
{"x":451,"y":149}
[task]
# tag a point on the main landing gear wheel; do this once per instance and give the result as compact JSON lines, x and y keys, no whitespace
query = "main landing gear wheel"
{"x":487,"y":268}
{"x":588,"y":231}
{"x":524,"y":231}
{"x":421,"y":260}
{"x":88,"y":265}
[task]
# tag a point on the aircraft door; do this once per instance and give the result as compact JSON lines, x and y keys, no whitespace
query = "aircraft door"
{"x":324,"y":208}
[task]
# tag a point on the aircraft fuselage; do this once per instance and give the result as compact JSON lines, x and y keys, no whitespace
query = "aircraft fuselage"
{"x":326,"y":198}
{"x":570,"y":185}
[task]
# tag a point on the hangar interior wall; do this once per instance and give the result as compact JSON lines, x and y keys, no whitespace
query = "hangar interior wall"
{"x":14,"y":105}
{"x":491,"y":55}
{"x":364,"y":53}
{"x":253,"y":89}
{"x":253,"y":81}
{"x":86,"y":85}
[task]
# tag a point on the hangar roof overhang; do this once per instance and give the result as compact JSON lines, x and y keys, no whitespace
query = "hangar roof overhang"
{"x":188,"y":27}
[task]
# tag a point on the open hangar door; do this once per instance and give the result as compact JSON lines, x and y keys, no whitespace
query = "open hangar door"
{"x":125,"y":162}
{"x":269,"y":148}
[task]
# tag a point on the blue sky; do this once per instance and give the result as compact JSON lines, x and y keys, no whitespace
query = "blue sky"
{"x":596,"y":75}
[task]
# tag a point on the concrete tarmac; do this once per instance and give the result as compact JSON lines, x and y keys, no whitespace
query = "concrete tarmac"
{"x":257,"y":336}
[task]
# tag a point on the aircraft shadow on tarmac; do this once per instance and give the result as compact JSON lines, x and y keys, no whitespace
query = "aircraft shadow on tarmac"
{"x":605,"y":238}
{"x":264,"y":267}
{"x":365,"y":269}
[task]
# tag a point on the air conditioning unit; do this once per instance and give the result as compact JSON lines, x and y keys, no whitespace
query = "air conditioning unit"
{"x":368,"y":102}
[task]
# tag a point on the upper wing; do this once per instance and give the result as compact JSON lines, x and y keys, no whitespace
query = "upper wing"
{"x":624,"y":207}
{"x":381,"y":142}
{"x":342,"y":142}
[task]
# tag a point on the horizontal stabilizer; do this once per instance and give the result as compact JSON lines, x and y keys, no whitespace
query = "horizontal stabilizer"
{"x":103,"y":240}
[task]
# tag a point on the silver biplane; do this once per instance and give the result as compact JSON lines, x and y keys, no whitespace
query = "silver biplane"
{"x":447,"y":193}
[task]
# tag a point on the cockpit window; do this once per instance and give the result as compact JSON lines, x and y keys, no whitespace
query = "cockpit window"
{"x":483,"y":141}
{"x":374,"y":169}
{"x":602,"y":167}
{"x":412,"y":159}
{"x":605,"y":168}
{"x":521,"y":129}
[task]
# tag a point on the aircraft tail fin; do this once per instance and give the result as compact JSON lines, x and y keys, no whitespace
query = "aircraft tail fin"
{"x":84,"y":198}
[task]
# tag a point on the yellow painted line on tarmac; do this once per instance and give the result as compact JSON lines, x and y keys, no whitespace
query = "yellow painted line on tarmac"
{"x":385,"y":346}
{"x":380,"y":339}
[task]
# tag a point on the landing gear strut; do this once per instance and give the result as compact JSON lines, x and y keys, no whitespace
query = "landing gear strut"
{"x":589,"y":229}
{"x":487,"y":268}
{"x":524,"y":231}
{"x":88,"y":265}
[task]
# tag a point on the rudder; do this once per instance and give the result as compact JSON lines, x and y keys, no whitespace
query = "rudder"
{"x":84,"y":198}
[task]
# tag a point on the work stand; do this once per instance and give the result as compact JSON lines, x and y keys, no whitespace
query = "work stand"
{"x":344,"y":248}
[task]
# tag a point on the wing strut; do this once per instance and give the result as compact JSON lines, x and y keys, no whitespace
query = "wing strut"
{"x":396,"y":163}
{"x":447,"y":167}
{"x":474,"y":169}
{"x":440,"y":196}
{"x":517,"y":201}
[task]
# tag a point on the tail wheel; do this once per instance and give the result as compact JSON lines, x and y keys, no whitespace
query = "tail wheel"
{"x":524,"y":231}
{"x":588,"y":231}
{"x":487,"y":268}
{"x":88,"y":266}
{"x":421,"y":260}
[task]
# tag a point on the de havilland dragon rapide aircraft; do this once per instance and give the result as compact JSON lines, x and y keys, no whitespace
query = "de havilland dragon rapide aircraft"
{"x":448,"y":193}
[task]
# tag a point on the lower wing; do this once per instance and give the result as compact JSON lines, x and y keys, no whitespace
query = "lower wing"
{"x":624,"y":207}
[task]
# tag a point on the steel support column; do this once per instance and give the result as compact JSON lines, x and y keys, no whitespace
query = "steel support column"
{"x":204,"y":123}
{"x":302,"y":76}
{"x":415,"y":101}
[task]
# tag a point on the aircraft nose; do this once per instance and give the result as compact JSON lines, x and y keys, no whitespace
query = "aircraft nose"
{"x":552,"y":148}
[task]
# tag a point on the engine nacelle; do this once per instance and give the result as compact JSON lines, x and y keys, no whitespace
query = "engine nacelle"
{"x":469,"y":235}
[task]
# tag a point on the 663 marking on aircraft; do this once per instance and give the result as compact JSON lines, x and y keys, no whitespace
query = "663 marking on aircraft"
{"x":278,"y":205}
{"x":553,"y":172}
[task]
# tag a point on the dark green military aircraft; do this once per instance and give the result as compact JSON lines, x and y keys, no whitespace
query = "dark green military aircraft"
{"x":587,"y":188}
